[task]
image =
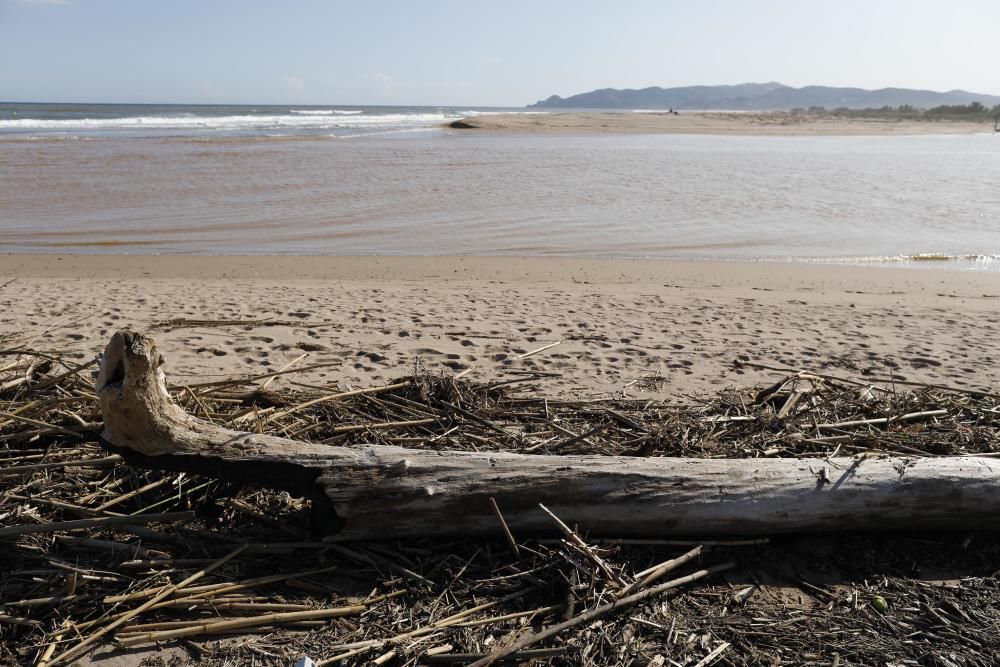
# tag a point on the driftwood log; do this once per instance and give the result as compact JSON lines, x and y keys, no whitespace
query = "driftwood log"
{"x":379,"y":492}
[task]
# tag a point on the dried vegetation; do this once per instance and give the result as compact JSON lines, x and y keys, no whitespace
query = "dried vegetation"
{"x":101,"y":558}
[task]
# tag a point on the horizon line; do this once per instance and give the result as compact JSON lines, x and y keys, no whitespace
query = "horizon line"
{"x":266,"y":104}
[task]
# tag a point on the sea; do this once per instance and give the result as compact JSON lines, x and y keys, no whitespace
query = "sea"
{"x":365,"y":180}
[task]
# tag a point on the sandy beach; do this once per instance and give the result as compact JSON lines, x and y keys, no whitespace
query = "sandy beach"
{"x":632,"y":327}
{"x":768,"y":123}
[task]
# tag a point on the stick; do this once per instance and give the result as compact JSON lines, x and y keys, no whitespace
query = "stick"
{"x":218,"y":589}
{"x":334,"y":397}
{"x":710,"y":658}
{"x":479,"y":420}
{"x":132,"y":494}
{"x":134,"y":550}
{"x":464,"y":658}
{"x":18,"y":620}
{"x":597,"y":612}
{"x":508,"y":617}
{"x":541,"y":349}
{"x":357,"y":648}
{"x":884,"y":420}
{"x":249,"y":622}
{"x":250,"y":379}
{"x":583,"y":436}
{"x":179,"y":322}
{"x":575,"y":539}
{"x":80,"y":648}
{"x":11,"y":531}
{"x":45,"y":384}
{"x":870,"y":381}
{"x":18,"y":470}
{"x":384,"y":425}
{"x":43,"y":661}
{"x":506,"y":528}
{"x":197,"y":595}
{"x":291,"y":363}
{"x":657,"y":571}
{"x":35,"y":422}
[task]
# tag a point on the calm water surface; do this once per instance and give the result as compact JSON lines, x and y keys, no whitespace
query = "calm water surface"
{"x":403,"y":186}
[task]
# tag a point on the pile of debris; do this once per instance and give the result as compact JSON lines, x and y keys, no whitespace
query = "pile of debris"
{"x":101,"y":558}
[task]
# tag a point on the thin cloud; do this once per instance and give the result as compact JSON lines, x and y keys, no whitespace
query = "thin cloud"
{"x":43,"y":2}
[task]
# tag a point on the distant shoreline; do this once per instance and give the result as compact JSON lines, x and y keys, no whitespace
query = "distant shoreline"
{"x":764,"y":123}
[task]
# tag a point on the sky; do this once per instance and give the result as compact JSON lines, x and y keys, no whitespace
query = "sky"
{"x":469,"y":52}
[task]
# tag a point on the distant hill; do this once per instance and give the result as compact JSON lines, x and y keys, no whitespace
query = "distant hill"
{"x":761,"y":96}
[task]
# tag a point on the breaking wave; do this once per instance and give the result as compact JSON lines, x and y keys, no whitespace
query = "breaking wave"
{"x":247,"y":122}
{"x":989,"y":262}
{"x":328,"y":112}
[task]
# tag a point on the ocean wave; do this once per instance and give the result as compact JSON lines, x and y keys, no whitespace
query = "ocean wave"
{"x":975,"y":260}
{"x":246,"y":122}
{"x":327,"y":112}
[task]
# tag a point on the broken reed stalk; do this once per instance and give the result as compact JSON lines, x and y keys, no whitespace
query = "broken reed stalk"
{"x":267,"y":383}
{"x":334,"y":397}
{"x":506,"y":529}
{"x":652,"y":574}
{"x":537,"y":350}
{"x":46,"y":658}
{"x":719,"y":650}
{"x":213,"y":596}
{"x":466,"y":658}
{"x":249,"y":622}
{"x":81,"y":648}
{"x":358,"y":648}
{"x":883,"y":420}
{"x":55,"y":526}
{"x":200,"y":592}
{"x":593,"y":614}
{"x":12,"y":471}
{"x":40,"y":424}
{"x":587,"y":550}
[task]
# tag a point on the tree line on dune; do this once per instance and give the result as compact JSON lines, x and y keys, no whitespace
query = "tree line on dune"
{"x":971,"y":111}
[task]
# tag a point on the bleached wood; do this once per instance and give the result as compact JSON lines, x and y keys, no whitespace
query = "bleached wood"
{"x":381,"y":492}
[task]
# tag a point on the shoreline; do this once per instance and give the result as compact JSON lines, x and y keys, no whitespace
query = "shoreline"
{"x":648,"y":329}
{"x":416,"y":267}
{"x":750,"y":123}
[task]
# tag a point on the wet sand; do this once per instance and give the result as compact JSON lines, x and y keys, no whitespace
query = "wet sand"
{"x":642,"y":328}
{"x":768,"y":123}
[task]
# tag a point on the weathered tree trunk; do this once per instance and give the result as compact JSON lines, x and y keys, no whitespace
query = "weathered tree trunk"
{"x":378,"y":492}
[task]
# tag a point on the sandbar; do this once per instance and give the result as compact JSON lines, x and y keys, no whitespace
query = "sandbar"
{"x":765,"y":123}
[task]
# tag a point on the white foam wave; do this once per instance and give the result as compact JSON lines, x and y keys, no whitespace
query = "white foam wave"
{"x":230,"y":123}
{"x":475,"y":112}
{"x":327,"y":112}
{"x":972,"y":260}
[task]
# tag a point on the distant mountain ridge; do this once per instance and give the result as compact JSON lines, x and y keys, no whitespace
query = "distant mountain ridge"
{"x":761,"y":96}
